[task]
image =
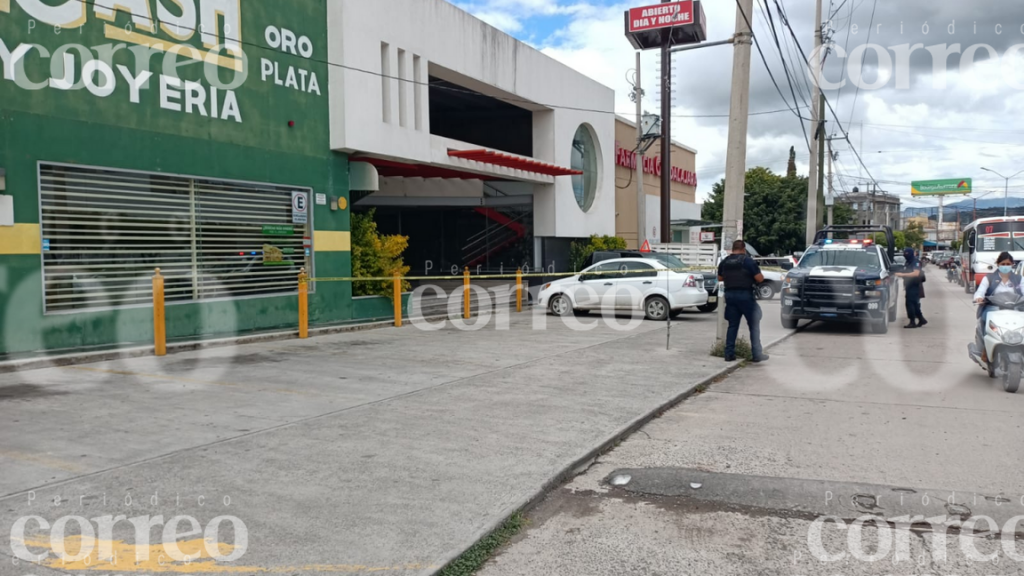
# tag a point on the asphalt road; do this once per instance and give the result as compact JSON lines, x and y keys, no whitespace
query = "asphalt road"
{"x":840,"y":423}
{"x":387,"y":451}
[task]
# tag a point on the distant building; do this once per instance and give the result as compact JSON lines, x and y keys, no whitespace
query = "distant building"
{"x":878,"y":208}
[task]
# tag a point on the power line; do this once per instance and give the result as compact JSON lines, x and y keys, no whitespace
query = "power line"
{"x":765,"y":61}
{"x":863,"y":60}
{"x":785,"y":68}
{"x":846,"y":134}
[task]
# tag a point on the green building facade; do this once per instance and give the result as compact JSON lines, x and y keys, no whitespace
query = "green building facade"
{"x":189,"y":135}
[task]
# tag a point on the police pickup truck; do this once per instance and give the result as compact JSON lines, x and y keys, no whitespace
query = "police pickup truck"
{"x":843,"y":280}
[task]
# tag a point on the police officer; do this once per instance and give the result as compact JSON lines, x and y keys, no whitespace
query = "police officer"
{"x":741,"y":275}
{"x":912,"y":288}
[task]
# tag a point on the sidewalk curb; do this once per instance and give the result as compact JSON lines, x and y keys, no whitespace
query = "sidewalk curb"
{"x":581,"y":464}
{"x":58,"y":361}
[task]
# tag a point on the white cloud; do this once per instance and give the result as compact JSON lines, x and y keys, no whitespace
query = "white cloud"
{"x":930,"y":133}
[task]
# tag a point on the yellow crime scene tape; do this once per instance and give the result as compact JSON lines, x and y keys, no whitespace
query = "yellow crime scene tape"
{"x":513,"y":276}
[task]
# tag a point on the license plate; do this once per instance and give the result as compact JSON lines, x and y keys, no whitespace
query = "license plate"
{"x":712,"y":299}
{"x":829,"y":310}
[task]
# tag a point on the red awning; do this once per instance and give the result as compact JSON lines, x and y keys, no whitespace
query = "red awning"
{"x":515,"y":162}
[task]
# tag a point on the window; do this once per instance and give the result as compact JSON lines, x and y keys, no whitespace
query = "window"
{"x":638,"y":270}
{"x":606,"y":271}
{"x":584,"y":158}
{"x":105,"y":231}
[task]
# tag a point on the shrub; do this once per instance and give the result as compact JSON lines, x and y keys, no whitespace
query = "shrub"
{"x":743,"y":350}
{"x":375,"y":256}
{"x":581,"y":250}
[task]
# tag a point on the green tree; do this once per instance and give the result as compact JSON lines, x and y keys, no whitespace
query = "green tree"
{"x":580,"y":251}
{"x":914,"y":235}
{"x":375,"y":255}
{"x":842,"y":214}
{"x":711,"y":210}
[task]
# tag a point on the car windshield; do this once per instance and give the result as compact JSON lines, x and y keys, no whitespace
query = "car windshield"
{"x":667,"y":259}
{"x":858,"y":258}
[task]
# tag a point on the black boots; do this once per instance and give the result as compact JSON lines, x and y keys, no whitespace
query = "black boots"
{"x":917,"y":323}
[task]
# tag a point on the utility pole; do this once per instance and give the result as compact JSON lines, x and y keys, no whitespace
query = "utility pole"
{"x":641,"y":197}
{"x":736,"y":151}
{"x":666,"y":134}
{"x":819,"y":194}
{"x":812,"y":172}
{"x":831,"y":189}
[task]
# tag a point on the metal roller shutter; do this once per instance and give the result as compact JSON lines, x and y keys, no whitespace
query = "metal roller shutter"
{"x":105,"y":231}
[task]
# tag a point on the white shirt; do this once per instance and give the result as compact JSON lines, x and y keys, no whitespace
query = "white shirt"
{"x":1002,"y":288}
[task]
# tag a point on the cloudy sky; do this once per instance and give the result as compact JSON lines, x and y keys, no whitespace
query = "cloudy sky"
{"x":922,"y":121}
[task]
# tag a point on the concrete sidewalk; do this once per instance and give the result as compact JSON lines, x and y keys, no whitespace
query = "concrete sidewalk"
{"x":389,"y":450}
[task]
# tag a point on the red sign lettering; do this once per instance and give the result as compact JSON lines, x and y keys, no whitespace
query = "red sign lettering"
{"x":652,"y":165}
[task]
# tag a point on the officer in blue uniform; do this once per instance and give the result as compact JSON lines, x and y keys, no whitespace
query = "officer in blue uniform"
{"x":913,"y":278}
{"x":740,"y":274}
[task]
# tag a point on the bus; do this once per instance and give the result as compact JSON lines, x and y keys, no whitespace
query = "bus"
{"x":983,"y":240}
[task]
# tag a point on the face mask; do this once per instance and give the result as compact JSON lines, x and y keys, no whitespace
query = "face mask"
{"x":1005,"y":269}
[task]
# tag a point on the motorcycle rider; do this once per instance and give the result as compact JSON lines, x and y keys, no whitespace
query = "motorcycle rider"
{"x":1002,"y":280}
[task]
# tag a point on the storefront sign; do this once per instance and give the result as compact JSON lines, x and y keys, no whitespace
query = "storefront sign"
{"x":707,"y":236}
{"x":657,"y":16}
{"x":275,"y":230}
{"x":652,"y":165}
{"x":177,"y":67}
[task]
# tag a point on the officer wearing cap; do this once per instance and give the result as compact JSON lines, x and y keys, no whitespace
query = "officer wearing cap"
{"x":741,"y":274}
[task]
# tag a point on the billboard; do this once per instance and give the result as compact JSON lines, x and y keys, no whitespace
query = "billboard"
{"x":940,"y":187}
{"x":658,"y":16}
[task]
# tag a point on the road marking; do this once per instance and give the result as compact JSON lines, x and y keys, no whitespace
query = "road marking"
{"x":119,"y":556}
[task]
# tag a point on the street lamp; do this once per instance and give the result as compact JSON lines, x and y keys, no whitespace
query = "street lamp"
{"x":1006,"y":193}
{"x":974,"y":210}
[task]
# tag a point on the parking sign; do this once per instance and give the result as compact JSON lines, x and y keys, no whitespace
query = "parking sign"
{"x":300,"y":208}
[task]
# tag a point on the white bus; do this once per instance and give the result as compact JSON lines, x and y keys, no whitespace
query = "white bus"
{"x":983,"y":241}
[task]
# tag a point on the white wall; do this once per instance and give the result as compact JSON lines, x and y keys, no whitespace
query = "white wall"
{"x":464,"y":50}
{"x":680,"y":211}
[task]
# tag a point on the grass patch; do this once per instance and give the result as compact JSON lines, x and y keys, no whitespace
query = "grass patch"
{"x":471,"y":560}
{"x":743,"y":351}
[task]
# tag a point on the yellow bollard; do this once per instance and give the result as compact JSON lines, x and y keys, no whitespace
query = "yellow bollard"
{"x":303,"y":304}
{"x":398,"y":300}
{"x":519,"y":290}
{"x":159,"y":319}
{"x":465,"y":293}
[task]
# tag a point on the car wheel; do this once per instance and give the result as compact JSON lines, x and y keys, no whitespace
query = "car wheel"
{"x":765,"y":291}
{"x":560,"y":305}
{"x":790,"y":323}
{"x":656,"y":308}
{"x":709,"y":307}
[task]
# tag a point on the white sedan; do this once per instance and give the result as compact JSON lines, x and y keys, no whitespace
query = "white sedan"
{"x":625,"y":284}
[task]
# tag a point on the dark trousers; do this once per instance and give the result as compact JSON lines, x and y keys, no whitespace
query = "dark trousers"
{"x":741,"y":304}
{"x":914,"y":303}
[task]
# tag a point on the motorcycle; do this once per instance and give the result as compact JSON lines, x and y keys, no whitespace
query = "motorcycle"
{"x":1004,"y":340}
{"x":952,"y":272}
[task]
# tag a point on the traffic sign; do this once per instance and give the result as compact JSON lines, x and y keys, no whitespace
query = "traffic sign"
{"x":300,"y":208}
